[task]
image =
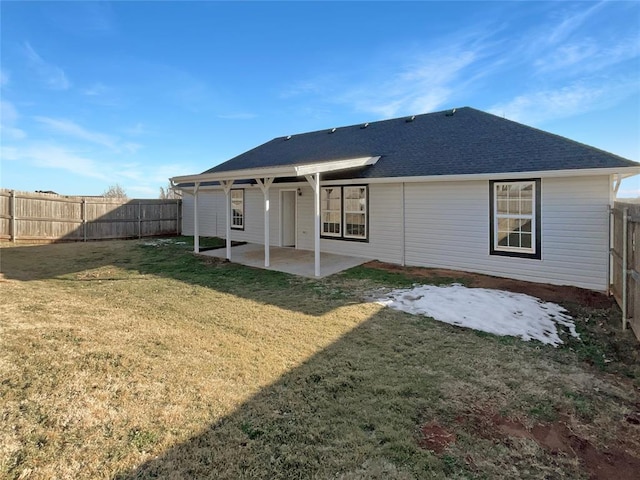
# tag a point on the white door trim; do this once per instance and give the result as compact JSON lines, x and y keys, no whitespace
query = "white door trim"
{"x":281,"y":223}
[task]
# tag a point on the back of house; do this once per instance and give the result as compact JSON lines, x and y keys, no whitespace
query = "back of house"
{"x":459,"y":189}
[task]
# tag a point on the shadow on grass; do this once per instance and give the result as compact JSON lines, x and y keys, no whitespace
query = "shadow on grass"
{"x":353,"y":410}
{"x":168,"y":258}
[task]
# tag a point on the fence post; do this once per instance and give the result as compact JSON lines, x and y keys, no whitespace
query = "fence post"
{"x":83,"y":213}
{"x":139,"y":219}
{"x":13,"y":216}
{"x":625,"y":271}
{"x":177,"y":217}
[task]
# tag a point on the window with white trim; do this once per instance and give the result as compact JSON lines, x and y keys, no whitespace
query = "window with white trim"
{"x":355,"y":212}
{"x":330,"y":206}
{"x":237,"y":209}
{"x":344,"y":212}
{"x":515,"y":218}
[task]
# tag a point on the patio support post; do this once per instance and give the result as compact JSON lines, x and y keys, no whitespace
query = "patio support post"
{"x":226,"y":185}
{"x":196,"y":226}
{"x":264,"y":185}
{"x":314,"y":181}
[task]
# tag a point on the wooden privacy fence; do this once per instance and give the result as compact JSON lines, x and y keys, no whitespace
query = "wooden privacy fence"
{"x":41,"y":217}
{"x":625,"y":254}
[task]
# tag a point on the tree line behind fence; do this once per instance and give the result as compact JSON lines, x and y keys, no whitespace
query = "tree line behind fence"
{"x":43,"y":217}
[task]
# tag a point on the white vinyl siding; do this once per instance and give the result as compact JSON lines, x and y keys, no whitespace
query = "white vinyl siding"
{"x":447,"y":227}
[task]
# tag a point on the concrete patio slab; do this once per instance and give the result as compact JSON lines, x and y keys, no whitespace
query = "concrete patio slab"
{"x":288,"y":260}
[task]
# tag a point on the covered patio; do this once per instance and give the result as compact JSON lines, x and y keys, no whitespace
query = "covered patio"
{"x":264,"y":178}
{"x":288,"y":260}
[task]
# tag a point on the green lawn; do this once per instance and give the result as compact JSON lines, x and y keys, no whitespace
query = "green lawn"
{"x":125,"y":360}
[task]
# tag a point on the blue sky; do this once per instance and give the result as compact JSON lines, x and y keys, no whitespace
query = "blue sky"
{"x":135,"y":92}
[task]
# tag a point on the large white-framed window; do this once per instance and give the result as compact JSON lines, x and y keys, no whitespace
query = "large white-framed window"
{"x":331,"y":207}
{"x":515,"y":218}
{"x":344,"y":212}
{"x":237,"y":209}
{"x":355,"y":212}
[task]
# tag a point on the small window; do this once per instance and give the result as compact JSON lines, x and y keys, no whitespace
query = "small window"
{"x":330,"y":205}
{"x":515,"y":218}
{"x":355,"y":212}
{"x":343,"y":212}
{"x":237,"y":209}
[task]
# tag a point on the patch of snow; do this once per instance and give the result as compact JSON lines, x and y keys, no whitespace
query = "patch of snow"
{"x":157,"y":242}
{"x":491,"y":311}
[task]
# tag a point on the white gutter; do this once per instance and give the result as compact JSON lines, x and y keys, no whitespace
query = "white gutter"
{"x":622,"y":172}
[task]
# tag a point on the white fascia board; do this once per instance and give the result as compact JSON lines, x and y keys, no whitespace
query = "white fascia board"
{"x":312,"y":168}
{"x":623,"y":172}
{"x":278,"y":172}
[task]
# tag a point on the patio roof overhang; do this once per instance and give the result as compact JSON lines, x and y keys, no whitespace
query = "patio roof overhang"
{"x":295,"y":170}
{"x":264,"y":177}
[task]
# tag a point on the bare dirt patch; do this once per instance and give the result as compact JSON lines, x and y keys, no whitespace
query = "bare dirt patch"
{"x":435,"y":438}
{"x":549,"y":293}
{"x":559,"y":438}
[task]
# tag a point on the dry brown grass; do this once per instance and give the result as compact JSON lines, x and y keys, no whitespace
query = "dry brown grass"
{"x":124,"y":361}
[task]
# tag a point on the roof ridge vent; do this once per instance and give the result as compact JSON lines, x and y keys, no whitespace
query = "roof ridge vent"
{"x":410,"y":119}
{"x":365,"y":125}
{"x":332,"y":130}
{"x":288,"y":138}
{"x":451,"y":113}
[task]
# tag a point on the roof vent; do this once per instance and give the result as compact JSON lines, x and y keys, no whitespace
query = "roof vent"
{"x":365,"y":125}
{"x":410,"y":119}
{"x":332,"y":130}
{"x":288,"y":138}
{"x":450,"y":114}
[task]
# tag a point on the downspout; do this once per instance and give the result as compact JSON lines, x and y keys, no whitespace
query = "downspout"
{"x":196,"y":226}
{"x":403,"y":248}
{"x":625,"y":272}
{"x":614,"y":185}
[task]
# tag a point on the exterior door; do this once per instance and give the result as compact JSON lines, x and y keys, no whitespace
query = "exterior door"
{"x":288,"y":216}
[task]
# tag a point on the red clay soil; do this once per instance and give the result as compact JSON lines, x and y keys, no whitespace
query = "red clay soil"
{"x":549,"y":293}
{"x":435,"y":438}
{"x":556,"y":438}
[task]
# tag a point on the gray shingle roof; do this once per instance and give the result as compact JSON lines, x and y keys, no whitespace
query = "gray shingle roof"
{"x":467,"y":142}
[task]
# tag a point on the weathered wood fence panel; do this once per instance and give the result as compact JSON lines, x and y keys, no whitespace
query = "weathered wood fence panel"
{"x":625,"y":253}
{"x":41,"y":217}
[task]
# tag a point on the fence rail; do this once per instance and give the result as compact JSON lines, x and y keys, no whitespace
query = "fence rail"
{"x":625,"y":256}
{"x":43,"y":217}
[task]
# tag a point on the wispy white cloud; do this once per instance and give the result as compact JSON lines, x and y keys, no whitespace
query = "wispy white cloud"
{"x":52,"y":75}
{"x":72,"y":129}
{"x":54,"y":156}
{"x":586,"y":56}
{"x":572,"y":21}
{"x":97,"y":89}
{"x":421,"y":86}
{"x":542,"y":105}
{"x":8,"y":119}
{"x":136,"y":130}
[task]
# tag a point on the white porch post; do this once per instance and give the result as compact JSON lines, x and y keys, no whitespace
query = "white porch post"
{"x":264,"y":186}
{"x":196,"y":226}
{"x":226,"y":185}
{"x":314,"y":180}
